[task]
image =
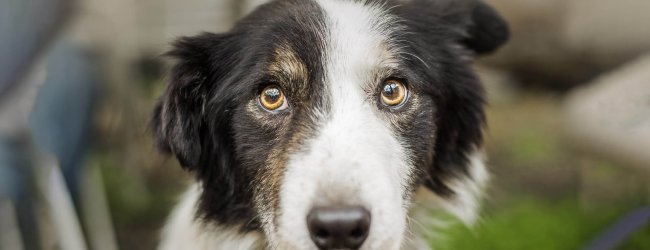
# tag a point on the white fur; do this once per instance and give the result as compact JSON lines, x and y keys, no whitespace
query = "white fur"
{"x":355,"y":159}
{"x":183,"y":231}
{"x":469,"y":191}
{"x":464,"y":206}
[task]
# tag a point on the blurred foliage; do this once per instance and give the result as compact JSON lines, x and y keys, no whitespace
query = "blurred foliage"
{"x":533,"y":223}
{"x":545,"y":195}
{"x":142,"y":185}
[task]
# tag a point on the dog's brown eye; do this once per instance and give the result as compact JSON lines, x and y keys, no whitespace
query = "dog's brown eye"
{"x":393,"y":93}
{"x":272,"y":98}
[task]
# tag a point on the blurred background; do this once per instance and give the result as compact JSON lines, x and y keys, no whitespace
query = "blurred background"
{"x":568,"y":140}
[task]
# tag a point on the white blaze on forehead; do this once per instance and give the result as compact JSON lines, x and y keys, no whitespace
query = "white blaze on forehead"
{"x":355,"y":157}
{"x":358,"y":36}
{"x":357,"y":46}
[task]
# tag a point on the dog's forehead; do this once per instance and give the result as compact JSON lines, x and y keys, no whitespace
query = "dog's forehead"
{"x":334,"y":36}
{"x":359,"y":34}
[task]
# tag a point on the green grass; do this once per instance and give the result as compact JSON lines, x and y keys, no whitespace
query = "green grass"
{"x":536,"y":224}
{"x":639,"y":240}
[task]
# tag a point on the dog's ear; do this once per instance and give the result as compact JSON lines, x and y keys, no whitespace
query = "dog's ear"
{"x":460,"y":122}
{"x":486,"y":29}
{"x":178,"y":121}
{"x":472,"y":23}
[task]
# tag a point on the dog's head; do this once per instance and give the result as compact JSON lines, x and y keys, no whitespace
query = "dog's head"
{"x":315,"y":121}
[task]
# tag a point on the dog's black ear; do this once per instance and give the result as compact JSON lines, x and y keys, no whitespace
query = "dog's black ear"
{"x":178,"y":120}
{"x":459,"y":136}
{"x":486,"y":29}
{"x":471,"y":23}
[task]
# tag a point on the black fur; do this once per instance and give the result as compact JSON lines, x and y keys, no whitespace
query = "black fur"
{"x":202,"y":117}
{"x":439,"y":30}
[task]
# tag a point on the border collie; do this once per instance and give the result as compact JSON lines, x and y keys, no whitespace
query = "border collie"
{"x":328,"y":124}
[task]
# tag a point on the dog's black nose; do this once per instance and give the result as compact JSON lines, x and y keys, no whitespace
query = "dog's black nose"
{"x":338,"y":227}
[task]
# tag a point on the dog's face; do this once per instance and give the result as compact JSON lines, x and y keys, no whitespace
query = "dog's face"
{"x":315,"y":121}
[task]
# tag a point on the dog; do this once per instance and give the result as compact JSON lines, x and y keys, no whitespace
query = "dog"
{"x":328,"y":124}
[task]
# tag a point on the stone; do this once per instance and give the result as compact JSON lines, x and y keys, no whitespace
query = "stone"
{"x":611,"y":116}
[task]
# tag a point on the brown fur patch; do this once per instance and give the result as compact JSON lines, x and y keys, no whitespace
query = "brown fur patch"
{"x":290,"y":137}
{"x":288,"y":68}
{"x":289,"y":129}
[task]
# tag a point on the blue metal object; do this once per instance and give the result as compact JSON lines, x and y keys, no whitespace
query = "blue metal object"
{"x":620,"y":231}
{"x":26,"y":26}
{"x":61,"y":120}
{"x":17,"y":184}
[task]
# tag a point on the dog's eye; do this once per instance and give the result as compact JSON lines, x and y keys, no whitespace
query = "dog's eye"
{"x":393,"y":93}
{"x":272,"y":98}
